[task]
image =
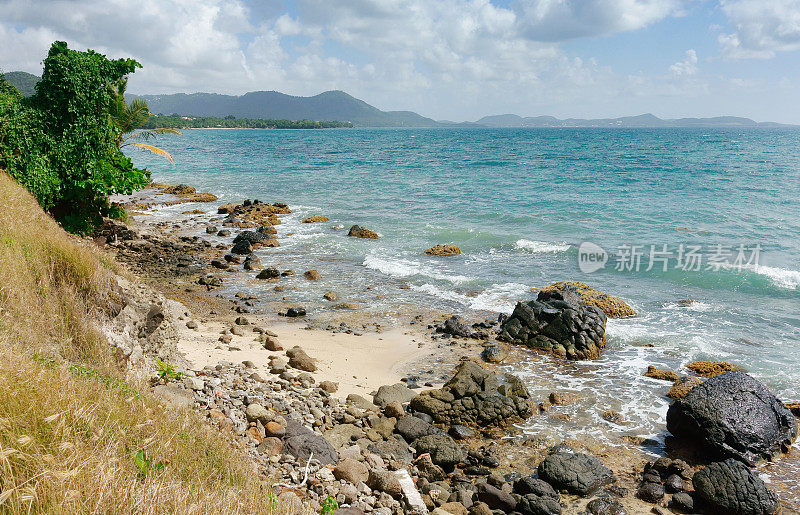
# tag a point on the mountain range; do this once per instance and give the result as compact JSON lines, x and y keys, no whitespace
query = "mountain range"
{"x":339,"y":106}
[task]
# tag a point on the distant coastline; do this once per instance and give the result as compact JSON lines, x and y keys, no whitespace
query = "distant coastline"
{"x":257,"y":109}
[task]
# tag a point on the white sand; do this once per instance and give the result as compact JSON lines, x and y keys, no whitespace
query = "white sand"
{"x":360,"y":364}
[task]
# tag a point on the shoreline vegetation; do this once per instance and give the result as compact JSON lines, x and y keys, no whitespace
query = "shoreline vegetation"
{"x":176,"y":121}
{"x":135,"y":378}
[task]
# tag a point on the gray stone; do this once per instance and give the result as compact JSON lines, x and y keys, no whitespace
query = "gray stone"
{"x":351,"y":471}
{"x":605,"y":506}
{"x":393,"y":393}
{"x":495,"y":498}
{"x":300,"y":442}
{"x":533,"y":504}
{"x":577,"y":473}
{"x":412,"y":428}
{"x":391,"y":449}
{"x":444,"y":451}
{"x":258,"y":413}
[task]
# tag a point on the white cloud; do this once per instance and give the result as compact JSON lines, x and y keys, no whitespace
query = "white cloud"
{"x":456,"y":59}
{"x":761,"y":28}
{"x":557,"y":20}
{"x":686,"y":67}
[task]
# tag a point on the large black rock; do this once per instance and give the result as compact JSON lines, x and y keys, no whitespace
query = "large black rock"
{"x":731,"y":488}
{"x":733,"y":415}
{"x":577,"y":473}
{"x":476,"y":397}
{"x":559,"y":322}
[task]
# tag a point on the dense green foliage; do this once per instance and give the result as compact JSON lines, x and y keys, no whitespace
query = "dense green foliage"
{"x":23,"y":81}
{"x":196,"y":122}
{"x":61,"y":143}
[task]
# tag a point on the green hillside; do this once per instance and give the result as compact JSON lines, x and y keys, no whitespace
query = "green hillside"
{"x":25,"y":82}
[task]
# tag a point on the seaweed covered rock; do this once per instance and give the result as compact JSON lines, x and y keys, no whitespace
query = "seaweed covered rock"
{"x":613,"y":307}
{"x":443,"y":250}
{"x":315,"y":219}
{"x":730,"y":487}
{"x":733,"y":415}
{"x":362,"y":232}
{"x":578,"y":474}
{"x":559,"y":322}
{"x":711,"y":368}
{"x":682,"y":386}
{"x":476,"y":397}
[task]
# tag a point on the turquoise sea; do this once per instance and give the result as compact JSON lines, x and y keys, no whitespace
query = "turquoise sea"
{"x":519,"y":203}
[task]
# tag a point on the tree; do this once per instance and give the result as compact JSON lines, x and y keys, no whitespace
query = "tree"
{"x":128,"y":116}
{"x":61,"y":143}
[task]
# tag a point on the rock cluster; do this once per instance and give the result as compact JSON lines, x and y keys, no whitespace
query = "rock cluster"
{"x":475,"y":396}
{"x":665,"y":477}
{"x":252,"y":213}
{"x":733,"y":415}
{"x":559,"y":322}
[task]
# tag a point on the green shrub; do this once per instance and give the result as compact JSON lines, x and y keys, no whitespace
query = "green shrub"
{"x":61,"y":142}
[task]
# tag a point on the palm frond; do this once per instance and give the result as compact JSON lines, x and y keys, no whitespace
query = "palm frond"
{"x":154,"y":150}
{"x":166,"y":130}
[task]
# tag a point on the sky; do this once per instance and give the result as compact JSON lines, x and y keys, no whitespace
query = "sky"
{"x":446,"y":59}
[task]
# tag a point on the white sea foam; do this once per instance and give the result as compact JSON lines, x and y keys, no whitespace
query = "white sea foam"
{"x":401,"y":267}
{"x":780,"y":277}
{"x":500,"y":298}
{"x":541,"y":247}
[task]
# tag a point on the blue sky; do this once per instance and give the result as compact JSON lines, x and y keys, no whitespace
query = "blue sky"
{"x":447,"y":59}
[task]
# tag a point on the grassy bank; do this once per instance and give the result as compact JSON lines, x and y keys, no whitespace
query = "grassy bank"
{"x":70,"y":424}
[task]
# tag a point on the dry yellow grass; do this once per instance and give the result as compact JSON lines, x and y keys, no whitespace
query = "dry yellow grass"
{"x":69,"y":423}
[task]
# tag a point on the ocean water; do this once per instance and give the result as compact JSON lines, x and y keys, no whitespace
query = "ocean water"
{"x":519,"y":203}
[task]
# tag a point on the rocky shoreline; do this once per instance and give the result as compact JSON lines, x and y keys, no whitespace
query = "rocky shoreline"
{"x":406,"y":448}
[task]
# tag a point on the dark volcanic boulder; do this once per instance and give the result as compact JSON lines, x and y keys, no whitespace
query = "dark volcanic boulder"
{"x":733,"y":415}
{"x":731,"y":488}
{"x":532,"y":504}
{"x":242,"y":247}
{"x":252,"y":236}
{"x":444,"y":451}
{"x":495,"y":498}
{"x":475,"y":396}
{"x":560,"y":322}
{"x":577,"y":473}
{"x":412,"y":428}
{"x":300,"y":442}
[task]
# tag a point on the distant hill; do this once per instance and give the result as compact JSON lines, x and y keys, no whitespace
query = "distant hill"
{"x":330,"y":105}
{"x":23,"y":81}
{"x":341,"y":107}
{"x":643,"y":120}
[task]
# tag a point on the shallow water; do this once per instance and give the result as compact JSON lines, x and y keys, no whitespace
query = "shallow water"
{"x":519,"y":202}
